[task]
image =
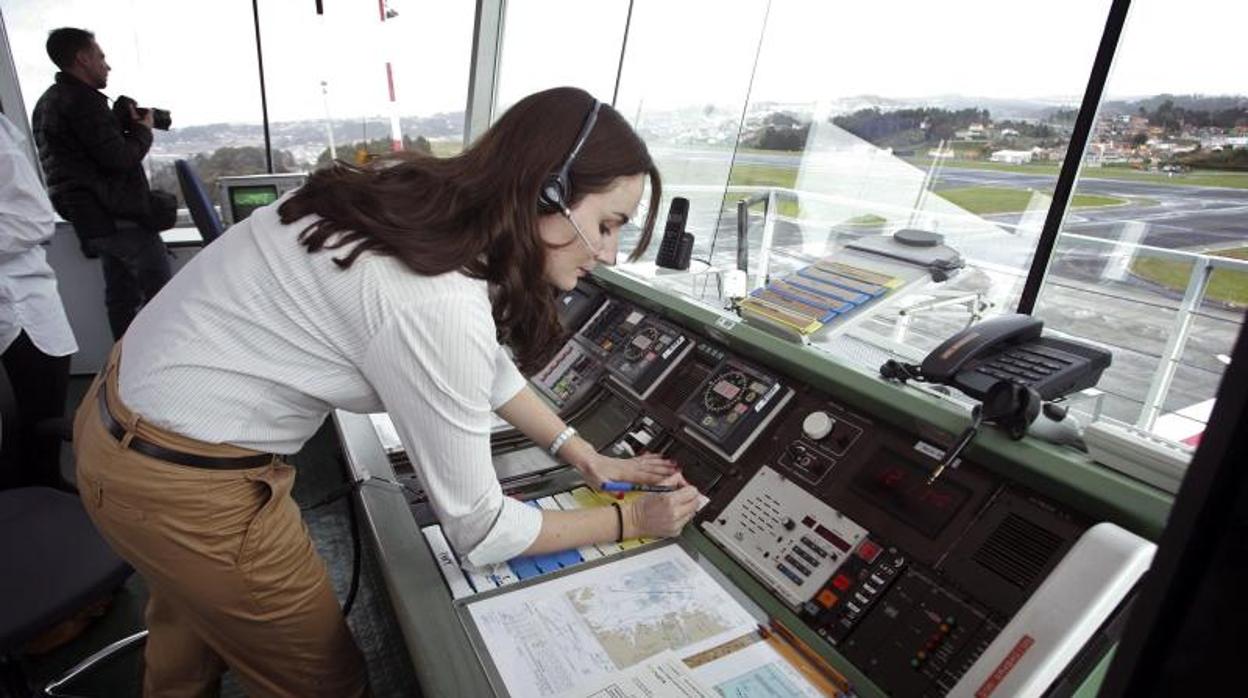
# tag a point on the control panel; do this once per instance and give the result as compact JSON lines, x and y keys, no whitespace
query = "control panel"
{"x":638,"y":350}
{"x":909,"y":578}
{"x":825,"y":438}
{"x":729,"y":409}
{"x":569,"y":376}
{"x":790,"y":540}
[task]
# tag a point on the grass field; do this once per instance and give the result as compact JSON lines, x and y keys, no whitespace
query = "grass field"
{"x":765,"y":176}
{"x":978,"y":200}
{"x":444,"y":149}
{"x":1225,"y":285}
{"x":986,"y":200}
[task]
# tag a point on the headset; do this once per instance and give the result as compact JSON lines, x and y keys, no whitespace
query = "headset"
{"x":1012,"y":407}
{"x":557,"y":188}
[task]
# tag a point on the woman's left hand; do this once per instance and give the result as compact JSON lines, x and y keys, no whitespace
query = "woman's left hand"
{"x":648,"y":469}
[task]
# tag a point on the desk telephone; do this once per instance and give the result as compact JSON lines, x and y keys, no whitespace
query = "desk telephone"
{"x":1011,"y":348}
{"x":1010,"y":368}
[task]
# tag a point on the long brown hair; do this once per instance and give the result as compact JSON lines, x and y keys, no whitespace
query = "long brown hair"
{"x":477,"y":212}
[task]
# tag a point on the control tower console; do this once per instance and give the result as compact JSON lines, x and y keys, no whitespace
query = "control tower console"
{"x":821,"y":517}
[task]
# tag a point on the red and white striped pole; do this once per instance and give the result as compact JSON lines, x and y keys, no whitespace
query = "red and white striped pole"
{"x":396,"y":129}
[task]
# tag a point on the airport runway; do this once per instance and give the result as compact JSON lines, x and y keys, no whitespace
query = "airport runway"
{"x":1176,"y":216}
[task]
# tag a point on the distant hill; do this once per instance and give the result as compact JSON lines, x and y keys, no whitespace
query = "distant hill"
{"x":304,"y":134}
{"x":1034,"y":109}
{"x":1207,"y":103}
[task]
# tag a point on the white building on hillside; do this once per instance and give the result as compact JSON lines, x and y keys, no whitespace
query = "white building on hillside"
{"x":1012,"y":157}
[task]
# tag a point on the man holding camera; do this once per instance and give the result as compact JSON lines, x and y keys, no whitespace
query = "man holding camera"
{"x":93,"y":160}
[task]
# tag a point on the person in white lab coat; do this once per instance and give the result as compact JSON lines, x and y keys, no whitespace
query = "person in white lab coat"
{"x":35,"y":335}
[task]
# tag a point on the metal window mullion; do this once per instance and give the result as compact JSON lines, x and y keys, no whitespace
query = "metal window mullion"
{"x":487,"y":43}
{"x":1071,"y":164}
{"x":1202,"y":269}
{"x":264,"y":98}
{"x":619,"y":69}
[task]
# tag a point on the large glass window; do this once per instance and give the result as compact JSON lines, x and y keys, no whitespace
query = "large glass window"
{"x":683,"y":87}
{"x":206,"y":78}
{"x":866,"y":123}
{"x":552,"y":43}
{"x":363,"y":79}
{"x":1159,"y":273}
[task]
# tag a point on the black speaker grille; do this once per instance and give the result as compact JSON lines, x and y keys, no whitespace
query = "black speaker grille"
{"x":1018,"y":550}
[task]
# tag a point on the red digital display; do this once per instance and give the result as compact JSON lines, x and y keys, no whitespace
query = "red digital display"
{"x":900,"y":487}
{"x":832,"y":538}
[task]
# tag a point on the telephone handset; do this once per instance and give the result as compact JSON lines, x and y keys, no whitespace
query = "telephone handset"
{"x":676,"y":245}
{"x":954,"y":353}
{"x":1011,"y":348}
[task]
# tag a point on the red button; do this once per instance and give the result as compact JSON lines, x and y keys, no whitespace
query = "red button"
{"x":841,"y":582}
{"x":868,"y":551}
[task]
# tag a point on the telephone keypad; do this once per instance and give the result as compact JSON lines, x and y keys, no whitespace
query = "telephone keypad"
{"x":1024,"y":366}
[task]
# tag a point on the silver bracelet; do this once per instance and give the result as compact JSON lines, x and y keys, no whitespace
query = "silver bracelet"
{"x":560,"y":440}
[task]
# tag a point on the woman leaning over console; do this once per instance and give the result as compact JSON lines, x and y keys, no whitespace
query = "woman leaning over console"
{"x":392,"y":287}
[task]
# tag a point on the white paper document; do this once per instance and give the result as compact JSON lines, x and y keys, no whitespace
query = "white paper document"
{"x":756,"y":670}
{"x":662,"y":676}
{"x":561,"y":634}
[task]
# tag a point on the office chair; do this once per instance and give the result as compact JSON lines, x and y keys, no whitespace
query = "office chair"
{"x":56,"y":564}
{"x":198,"y":202}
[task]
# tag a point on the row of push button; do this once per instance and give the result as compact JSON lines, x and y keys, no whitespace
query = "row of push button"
{"x":854,"y":589}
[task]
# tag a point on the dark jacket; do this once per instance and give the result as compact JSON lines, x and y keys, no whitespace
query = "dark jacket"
{"x":94,"y":167}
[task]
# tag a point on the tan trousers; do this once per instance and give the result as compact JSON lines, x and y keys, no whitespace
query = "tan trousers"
{"x":233,"y":577}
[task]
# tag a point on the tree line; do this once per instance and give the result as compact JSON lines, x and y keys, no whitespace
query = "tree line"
{"x":1174,"y":118}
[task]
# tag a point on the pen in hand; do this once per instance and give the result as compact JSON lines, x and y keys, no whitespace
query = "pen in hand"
{"x":617,"y":486}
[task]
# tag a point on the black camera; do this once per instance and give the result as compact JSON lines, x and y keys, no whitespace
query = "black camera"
{"x":161,"y":118}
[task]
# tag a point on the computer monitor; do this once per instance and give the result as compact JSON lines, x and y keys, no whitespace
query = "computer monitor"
{"x":245,"y":199}
{"x":240,"y":195}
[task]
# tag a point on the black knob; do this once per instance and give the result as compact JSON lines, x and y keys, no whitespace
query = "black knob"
{"x":789,"y":524}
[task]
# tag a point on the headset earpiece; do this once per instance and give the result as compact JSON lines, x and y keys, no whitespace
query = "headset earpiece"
{"x":556,"y":189}
{"x":550,"y":198}
{"x":1012,"y":407}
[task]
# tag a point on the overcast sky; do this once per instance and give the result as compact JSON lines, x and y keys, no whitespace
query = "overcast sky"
{"x":198,"y":58}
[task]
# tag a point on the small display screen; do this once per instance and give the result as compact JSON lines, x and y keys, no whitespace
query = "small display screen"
{"x":900,"y":487}
{"x":840,"y":543}
{"x":734,"y":395}
{"x":245,"y":199}
{"x":652,"y":348}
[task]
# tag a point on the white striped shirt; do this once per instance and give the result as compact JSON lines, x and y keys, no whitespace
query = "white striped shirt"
{"x":255,"y":341}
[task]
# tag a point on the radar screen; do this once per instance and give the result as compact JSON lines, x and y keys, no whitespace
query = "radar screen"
{"x":648,"y":355}
{"x":732,"y":405}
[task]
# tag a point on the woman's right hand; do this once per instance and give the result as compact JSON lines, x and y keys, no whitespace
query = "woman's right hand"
{"x":663,"y":515}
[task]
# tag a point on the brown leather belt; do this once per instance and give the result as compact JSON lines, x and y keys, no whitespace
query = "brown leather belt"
{"x":159,"y":452}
